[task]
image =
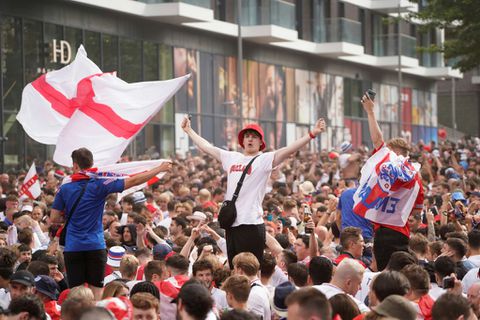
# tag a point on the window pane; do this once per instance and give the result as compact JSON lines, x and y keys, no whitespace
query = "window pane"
{"x":150,"y":61}
{"x":11,"y":63}
{"x":166,"y":115}
{"x":53,"y":32}
{"x":130,"y":60}
{"x":74,"y":38}
{"x":13,"y":146}
{"x":92,"y":45}
{"x":110,"y":53}
{"x":206,"y":82}
{"x":180,"y":69}
{"x":33,"y":49}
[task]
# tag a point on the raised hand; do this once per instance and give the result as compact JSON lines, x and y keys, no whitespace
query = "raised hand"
{"x":319,"y":127}
{"x":186,"y":124}
{"x":367,"y":103}
{"x":166,"y":166}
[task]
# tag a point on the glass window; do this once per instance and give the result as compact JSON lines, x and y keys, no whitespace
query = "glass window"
{"x":110,"y":53}
{"x":74,"y":37}
{"x":130,"y":60}
{"x":219,"y":84}
{"x":33,"y":49}
{"x":166,"y":115}
{"x":150,"y":61}
{"x":13,"y":146}
{"x":53,"y":37}
{"x":180,"y":69}
{"x":11,"y":63}
{"x":92,"y":45}
{"x":206,"y":82}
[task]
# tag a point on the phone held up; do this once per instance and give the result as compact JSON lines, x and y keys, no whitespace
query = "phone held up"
{"x":371,"y":94}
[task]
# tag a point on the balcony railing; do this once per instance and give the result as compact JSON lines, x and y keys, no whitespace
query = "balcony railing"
{"x":198,"y":3}
{"x":337,"y":30}
{"x":277,"y":12}
{"x":387,"y":45}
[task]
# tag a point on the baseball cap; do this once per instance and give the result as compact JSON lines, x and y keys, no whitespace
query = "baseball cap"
{"x":115,"y":255}
{"x":396,"y":306}
{"x":161,"y":251}
{"x":197,"y":215}
{"x":47,"y":286}
{"x":254,"y":127}
{"x":23,"y":277}
{"x":458,"y":196}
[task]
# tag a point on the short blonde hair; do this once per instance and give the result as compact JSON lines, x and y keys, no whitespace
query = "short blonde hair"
{"x":247,"y":262}
{"x":129,"y":265}
{"x":81,"y":292}
{"x":400,"y":144}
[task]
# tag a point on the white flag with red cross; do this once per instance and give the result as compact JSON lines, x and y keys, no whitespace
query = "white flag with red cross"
{"x":79,"y":106}
{"x":31,"y":186}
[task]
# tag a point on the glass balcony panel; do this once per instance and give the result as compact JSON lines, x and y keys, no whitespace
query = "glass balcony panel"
{"x":198,"y":3}
{"x":387,"y":45}
{"x":277,"y":12}
{"x":337,"y":30}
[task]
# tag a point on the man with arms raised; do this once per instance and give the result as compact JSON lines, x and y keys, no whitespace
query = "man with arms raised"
{"x":248,"y":230}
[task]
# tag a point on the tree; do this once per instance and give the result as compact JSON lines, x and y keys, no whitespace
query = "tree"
{"x":461,"y":21}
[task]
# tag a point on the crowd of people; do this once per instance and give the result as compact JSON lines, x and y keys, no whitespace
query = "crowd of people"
{"x":295,"y":250}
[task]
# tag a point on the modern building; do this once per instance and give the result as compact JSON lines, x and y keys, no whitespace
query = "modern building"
{"x":301,"y":59}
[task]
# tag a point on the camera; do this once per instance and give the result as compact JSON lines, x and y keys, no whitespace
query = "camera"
{"x":448,"y":282}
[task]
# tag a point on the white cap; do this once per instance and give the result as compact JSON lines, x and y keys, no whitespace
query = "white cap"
{"x":27,"y":207}
{"x":198,"y":215}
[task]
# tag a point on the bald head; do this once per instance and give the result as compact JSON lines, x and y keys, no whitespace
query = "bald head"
{"x":473,"y":295}
{"x":348,"y":276}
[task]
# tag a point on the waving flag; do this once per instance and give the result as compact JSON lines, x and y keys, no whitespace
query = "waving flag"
{"x":389,"y":186}
{"x":47,"y":102}
{"x":110,"y":113}
{"x":31,"y":186}
{"x":122,"y":170}
{"x":78,"y":106}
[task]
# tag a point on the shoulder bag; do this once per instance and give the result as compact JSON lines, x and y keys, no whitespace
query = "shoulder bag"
{"x":228,"y":211}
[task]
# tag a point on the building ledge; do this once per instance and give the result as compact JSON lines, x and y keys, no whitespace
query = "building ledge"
{"x":385,"y":6}
{"x":387,"y":62}
{"x":438,"y":73}
{"x":337,"y":49}
{"x":170,"y":12}
{"x":268,"y":33}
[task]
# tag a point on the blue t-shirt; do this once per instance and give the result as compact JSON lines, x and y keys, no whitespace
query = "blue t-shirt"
{"x":85,"y":229}
{"x":349,"y":218}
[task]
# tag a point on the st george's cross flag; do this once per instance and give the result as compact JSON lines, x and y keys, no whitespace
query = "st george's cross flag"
{"x":79,"y":106}
{"x":388,"y":189}
{"x":31,"y":186}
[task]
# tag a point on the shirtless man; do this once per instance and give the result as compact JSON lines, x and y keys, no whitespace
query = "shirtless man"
{"x":349,"y":164}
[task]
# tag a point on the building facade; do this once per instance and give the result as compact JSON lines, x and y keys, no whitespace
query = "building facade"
{"x":302,"y":60}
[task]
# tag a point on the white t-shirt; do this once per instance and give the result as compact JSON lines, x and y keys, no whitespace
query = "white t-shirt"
{"x":343,"y":160}
{"x":4,"y":299}
{"x":470,"y":278}
{"x":436,"y":291}
{"x":365,"y":286}
{"x":475,"y":260}
{"x":115,"y":275}
{"x":330,"y":290}
{"x":220,"y":298}
{"x":250,"y":198}
{"x":278,"y":277}
{"x":258,"y":300}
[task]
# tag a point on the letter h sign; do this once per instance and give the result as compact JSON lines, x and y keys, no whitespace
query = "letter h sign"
{"x":63,"y":49}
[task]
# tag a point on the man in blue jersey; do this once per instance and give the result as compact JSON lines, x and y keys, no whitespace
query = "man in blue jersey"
{"x":84,"y":252}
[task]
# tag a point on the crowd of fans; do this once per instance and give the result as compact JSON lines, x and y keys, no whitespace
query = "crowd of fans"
{"x":167,"y":255}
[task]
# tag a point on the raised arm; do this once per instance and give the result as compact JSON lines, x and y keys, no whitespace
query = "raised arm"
{"x":147,"y":175}
{"x":200,"y":142}
{"x":283,"y":153}
{"x":375,"y":132}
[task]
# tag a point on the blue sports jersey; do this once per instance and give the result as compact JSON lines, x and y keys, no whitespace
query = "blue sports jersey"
{"x":349,"y":218}
{"x":85,"y":229}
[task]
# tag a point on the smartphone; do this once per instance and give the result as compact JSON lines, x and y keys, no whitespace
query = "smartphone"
{"x":307,"y":213}
{"x":371,"y":94}
{"x":448,"y":282}
{"x":434,"y":210}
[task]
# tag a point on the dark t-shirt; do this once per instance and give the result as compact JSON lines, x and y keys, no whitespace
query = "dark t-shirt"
{"x":85,"y":229}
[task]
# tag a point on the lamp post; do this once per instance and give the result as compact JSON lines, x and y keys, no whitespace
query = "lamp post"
{"x":399,"y":46}
{"x":239,"y":60}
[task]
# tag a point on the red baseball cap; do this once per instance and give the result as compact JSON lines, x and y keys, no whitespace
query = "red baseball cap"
{"x":255,"y":127}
